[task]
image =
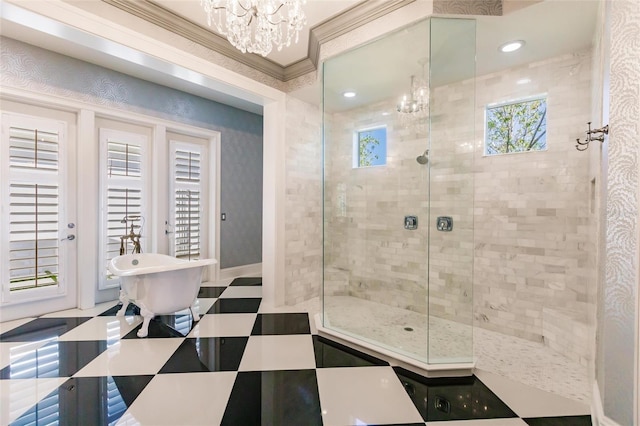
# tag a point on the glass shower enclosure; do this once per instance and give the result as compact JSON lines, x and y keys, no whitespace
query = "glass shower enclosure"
{"x":398,"y":191}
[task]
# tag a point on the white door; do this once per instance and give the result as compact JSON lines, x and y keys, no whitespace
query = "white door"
{"x":38,"y":254}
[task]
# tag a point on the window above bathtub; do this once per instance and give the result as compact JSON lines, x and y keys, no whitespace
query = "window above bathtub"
{"x":517,"y":126}
{"x":370,"y":147}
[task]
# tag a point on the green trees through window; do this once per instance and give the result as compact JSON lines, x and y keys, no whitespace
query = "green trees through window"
{"x":516,"y":127}
{"x":372,"y":147}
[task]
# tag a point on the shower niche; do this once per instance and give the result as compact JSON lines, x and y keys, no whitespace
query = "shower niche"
{"x":401,"y":147}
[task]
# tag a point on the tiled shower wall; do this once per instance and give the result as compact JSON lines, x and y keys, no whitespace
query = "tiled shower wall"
{"x":368,"y":253}
{"x":529,"y":211}
{"x":532,"y":209}
{"x":303,"y":212}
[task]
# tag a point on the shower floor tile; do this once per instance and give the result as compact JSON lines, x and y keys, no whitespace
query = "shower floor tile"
{"x":239,"y":365}
{"x":269,"y":324}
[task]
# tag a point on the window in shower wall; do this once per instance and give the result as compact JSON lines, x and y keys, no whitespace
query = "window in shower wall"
{"x":370,"y":147}
{"x":124,"y":179}
{"x":516,"y":127}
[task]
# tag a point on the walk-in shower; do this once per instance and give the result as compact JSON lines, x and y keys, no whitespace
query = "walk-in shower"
{"x":393,"y":278}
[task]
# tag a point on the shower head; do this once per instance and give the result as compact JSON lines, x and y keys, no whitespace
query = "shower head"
{"x":423,"y":158}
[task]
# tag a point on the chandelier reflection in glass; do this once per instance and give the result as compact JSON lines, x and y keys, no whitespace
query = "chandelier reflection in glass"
{"x":417,"y":100}
{"x":255,"y":26}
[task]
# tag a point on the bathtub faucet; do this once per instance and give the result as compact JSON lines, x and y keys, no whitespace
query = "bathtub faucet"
{"x":135,"y":238}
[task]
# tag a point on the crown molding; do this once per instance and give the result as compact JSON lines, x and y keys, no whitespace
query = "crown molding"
{"x":350,"y":19}
{"x":176,"y":24}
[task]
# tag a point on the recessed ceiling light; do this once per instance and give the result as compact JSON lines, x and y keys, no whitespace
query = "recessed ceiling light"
{"x":349,"y":94}
{"x":386,"y":113}
{"x":523,"y":81}
{"x":511,"y":46}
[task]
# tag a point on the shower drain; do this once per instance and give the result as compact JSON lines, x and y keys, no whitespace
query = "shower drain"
{"x":408,"y":329}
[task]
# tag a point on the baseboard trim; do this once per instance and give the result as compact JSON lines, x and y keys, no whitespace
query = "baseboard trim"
{"x":597,"y":411}
{"x":254,"y":269}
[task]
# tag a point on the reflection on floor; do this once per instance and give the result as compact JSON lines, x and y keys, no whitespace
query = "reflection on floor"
{"x":518,"y":359}
{"x":241,"y":364}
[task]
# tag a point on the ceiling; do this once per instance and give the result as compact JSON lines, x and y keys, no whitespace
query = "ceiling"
{"x":549,"y":27}
{"x":317,"y":11}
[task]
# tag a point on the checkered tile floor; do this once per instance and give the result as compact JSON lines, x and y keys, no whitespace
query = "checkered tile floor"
{"x":237,"y":366}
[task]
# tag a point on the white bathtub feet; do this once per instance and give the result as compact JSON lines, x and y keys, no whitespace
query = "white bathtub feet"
{"x":147,"y":316}
{"x":125,"y":303}
{"x":195,"y":314}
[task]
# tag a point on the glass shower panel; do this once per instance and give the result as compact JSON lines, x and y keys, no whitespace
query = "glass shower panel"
{"x":376,"y":193}
{"x":451,"y":245}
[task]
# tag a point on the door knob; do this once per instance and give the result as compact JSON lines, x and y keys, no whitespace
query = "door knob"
{"x":68,"y":237}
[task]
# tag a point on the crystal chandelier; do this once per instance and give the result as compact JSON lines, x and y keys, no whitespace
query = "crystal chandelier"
{"x":255,"y":26}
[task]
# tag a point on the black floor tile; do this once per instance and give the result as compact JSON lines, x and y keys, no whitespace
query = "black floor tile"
{"x":210,"y":292}
{"x":274,"y":398}
{"x":559,"y":421}
{"x":206,"y":354}
{"x":86,"y":401}
{"x":331,"y":354}
{"x":56,"y":359}
{"x":247,"y":281}
{"x":270,"y":324}
{"x":235,"y":306}
{"x":166,"y":326}
{"x":132,"y":309}
{"x":459,"y":398}
{"x":42,"y":329}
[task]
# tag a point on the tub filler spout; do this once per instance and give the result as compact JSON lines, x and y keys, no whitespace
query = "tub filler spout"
{"x":158,"y":284}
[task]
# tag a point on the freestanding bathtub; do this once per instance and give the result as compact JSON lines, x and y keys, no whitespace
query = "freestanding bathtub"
{"x":158,"y":284}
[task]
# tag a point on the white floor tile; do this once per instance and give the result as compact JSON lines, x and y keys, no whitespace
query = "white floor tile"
{"x":202,"y":305}
{"x":182,"y":399}
{"x":484,"y":422}
{"x":372,"y":395}
{"x":527,"y":401}
{"x":131,"y":357}
{"x":291,"y":352}
{"x":12,"y":351}
{"x":10,"y":325}
{"x":103,"y":328}
{"x":235,"y":292}
{"x":226,"y":325}
{"x":18,"y":396}
{"x":91,"y":312}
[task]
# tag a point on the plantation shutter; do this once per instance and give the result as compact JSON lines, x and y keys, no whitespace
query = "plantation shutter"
{"x":32,"y":149}
{"x":124,"y":196}
{"x":187,"y":199}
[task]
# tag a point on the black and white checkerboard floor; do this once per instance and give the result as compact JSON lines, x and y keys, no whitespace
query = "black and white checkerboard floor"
{"x":239,"y":365}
